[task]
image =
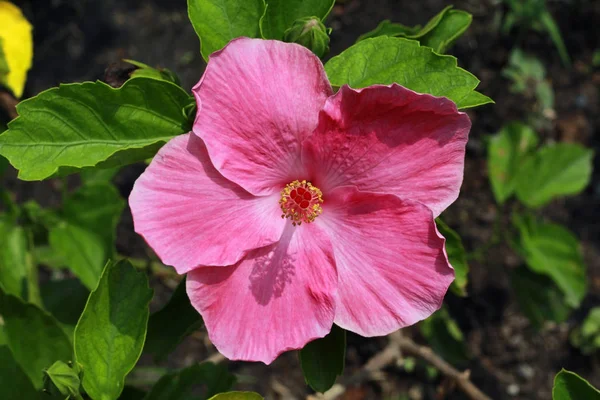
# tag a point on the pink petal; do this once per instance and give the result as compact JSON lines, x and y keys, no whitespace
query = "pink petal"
{"x":391,"y":263}
{"x":388,"y":139}
{"x":276,"y":299}
{"x":257,"y":101}
{"x":191,"y":215}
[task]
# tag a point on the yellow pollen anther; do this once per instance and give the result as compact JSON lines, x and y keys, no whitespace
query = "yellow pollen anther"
{"x":301,"y":202}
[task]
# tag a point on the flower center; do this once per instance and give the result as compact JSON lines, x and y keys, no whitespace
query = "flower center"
{"x":301,"y":202}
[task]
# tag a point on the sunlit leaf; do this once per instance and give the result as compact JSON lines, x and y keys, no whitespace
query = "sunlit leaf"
{"x":87,"y":124}
{"x":146,"y":71}
{"x":570,"y":386}
{"x":179,"y":384}
{"x":507,"y":150}
{"x":110,"y":334}
{"x":552,"y":250}
{"x":34,"y":337}
{"x":539,"y":298}
{"x":457,"y":257}
{"x":385,"y":60}
{"x":281,"y":14}
{"x":553,"y":171}
{"x":323,"y":359}
{"x":216,"y":22}
{"x":16,"y":42}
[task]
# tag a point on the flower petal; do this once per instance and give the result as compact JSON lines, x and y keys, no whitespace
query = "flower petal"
{"x":257,"y":101}
{"x":276,"y":299}
{"x":388,"y":139}
{"x":391,"y":263}
{"x":191,"y":215}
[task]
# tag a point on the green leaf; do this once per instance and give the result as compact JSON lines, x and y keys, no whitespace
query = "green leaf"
{"x":552,"y":250}
{"x":110,"y":334}
{"x":14,"y":258}
{"x":445,"y":337}
{"x":179,"y":384}
{"x":507,"y":150}
{"x":559,"y":170}
{"x":87,"y":124}
{"x":147,"y":71}
{"x":570,"y":386}
{"x":82,"y":250}
{"x":587,"y":336}
{"x":450,"y":28}
{"x":385,"y":60}
{"x":14,"y":383}
{"x":64,"y":379}
{"x":323,"y":359}
{"x":98,"y":175}
{"x":549,"y":24}
{"x":65,"y":299}
{"x":166,"y":332}
{"x":96,"y":208}
{"x":539,"y":298}
{"x":281,"y":14}
{"x":34,"y":337}
{"x":439,"y":33}
{"x":237,"y":396}
{"x":216,"y":22}
{"x":388,"y":28}
{"x":457,"y":256}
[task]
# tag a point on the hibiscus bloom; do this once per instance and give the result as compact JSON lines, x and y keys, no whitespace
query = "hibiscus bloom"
{"x":292,"y":208}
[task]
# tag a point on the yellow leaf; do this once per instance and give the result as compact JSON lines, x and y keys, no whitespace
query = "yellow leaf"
{"x":17,"y":45}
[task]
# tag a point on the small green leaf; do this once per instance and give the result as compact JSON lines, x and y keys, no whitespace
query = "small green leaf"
{"x":539,"y":298}
{"x":587,"y":336}
{"x":385,"y":60}
{"x":14,"y":383}
{"x":439,"y":33}
{"x":87,"y":124}
{"x":216,"y":22}
{"x":281,"y":14}
{"x":445,"y":337}
{"x":457,"y":257}
{"x":507,"y":150}
{"x":559,"y":170}
{"x":110,"y":334}
{"x":552,"y":250}
{"x":96,"y":208}
{"x":146,"y":71}
{"x":13,"y":257}
{"x":82,"y":250}
{"x":323,"y":359}
{"x":570,"y":386}
{"x":34,"y":337}
{"x":179,"y":384}
{"x":62,"y":379}
{"x":237,"y":396}
{"x":165,"y":332}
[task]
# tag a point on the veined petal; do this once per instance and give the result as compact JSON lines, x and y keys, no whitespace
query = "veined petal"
{"x":390,"y":259}
{"x":276,"y":299}
{"x":388,"y":139}
{"x":191,"y":215}
{"x":257,"y":101}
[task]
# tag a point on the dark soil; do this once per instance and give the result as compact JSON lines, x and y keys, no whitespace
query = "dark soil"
{"x":76,"y":40}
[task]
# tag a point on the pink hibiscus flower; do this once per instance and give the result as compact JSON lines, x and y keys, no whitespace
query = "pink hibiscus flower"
{"x":358,"y":177}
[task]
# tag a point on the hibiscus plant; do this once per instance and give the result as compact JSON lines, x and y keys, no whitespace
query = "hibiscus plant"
{"x":290,"y":197}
